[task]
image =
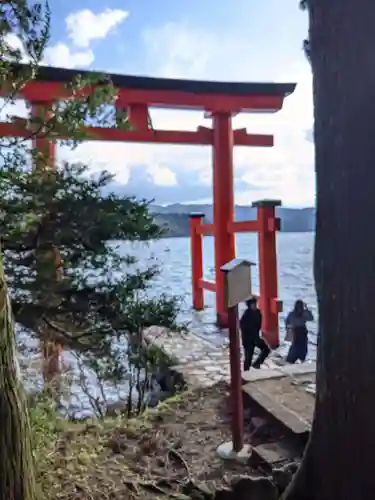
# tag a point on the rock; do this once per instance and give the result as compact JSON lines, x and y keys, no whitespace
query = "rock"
{"x":117,"y":444}
{"x":79,"y":418}
{"x":156,"y":397}
{"x":257,"y":423}
{"x":224,"y":494}
{"x":115,"y":409}
{"x":169,"y":380}
{"x":163,"y":382}
{"x":282,"y":476}
{"x":254,"y":488}
{"x":197,"y":491}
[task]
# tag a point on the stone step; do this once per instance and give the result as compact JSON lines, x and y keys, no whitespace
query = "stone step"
{"x":287,"y":417}
{"x":311,"y":389}
{"x":298,"y":369}
{"x":254,"y":375}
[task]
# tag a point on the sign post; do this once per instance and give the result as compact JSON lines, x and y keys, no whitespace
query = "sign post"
{"x":237,"y":288}
{"x":235,"y":380}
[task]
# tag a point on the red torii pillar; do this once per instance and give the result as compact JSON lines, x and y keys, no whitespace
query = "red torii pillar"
{"x":196,"y":244}
{"x":47,"y":150}
{"x":223,"y":205}
{"x":267,"y":226}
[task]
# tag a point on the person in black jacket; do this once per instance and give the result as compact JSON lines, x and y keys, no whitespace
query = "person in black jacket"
{"x":250,"y":325}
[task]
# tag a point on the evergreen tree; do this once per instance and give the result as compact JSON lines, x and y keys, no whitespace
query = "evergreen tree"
{"x":69,"y":281}
{"x":17,"y":480}
{"x":66,"y":275}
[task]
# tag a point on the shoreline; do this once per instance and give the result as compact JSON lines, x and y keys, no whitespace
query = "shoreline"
{"x":196,"y":362}
{"x":187,"y":235}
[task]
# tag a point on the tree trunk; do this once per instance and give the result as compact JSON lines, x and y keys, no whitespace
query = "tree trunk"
{"x":339,"y":461}
{"x":17,"y":481}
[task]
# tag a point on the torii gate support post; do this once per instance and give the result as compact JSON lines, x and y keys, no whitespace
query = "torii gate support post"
{"x":266,"y":225}
{"x":47,"y":159}
{"x":270,"y":305}
{"x":223,"y":206}
{"x":196,"y":243}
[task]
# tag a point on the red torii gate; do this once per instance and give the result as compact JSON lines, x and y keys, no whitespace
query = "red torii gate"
{"x":218,"y":100}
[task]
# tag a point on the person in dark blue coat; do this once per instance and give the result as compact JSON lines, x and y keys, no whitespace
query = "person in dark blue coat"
{"x":250,"y":325}
{"x":296,"y":326}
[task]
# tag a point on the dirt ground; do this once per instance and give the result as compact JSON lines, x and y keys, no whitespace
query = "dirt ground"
{"x":169,"y":452}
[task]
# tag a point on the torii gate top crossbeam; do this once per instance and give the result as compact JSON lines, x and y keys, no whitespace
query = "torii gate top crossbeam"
{"x":50,"y":85}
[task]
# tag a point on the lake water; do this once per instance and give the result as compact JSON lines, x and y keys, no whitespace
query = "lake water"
{"x":295,"y":270}
{"x":295,"y":257}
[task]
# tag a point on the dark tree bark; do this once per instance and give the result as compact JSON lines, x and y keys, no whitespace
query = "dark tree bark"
{"x":339,"y":462}
{"x":17,"y":478}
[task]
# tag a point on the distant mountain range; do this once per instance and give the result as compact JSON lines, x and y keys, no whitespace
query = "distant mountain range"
{"x":175,"y":218}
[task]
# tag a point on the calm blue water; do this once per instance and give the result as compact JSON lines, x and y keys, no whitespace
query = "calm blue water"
{"x":295,"y":269}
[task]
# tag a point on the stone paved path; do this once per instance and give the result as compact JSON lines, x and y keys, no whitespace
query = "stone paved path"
{"x":203,"y":364}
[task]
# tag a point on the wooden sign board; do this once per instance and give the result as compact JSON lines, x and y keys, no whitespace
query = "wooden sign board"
{"x":237,"y":281}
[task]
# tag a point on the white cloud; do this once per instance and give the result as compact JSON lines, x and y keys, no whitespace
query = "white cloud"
{"x":61,"y":55}
{"x":284,"y":171}
{"x":183,"y":173}
{"x":84,"y":26}
{"x":162,"y":176}
{"x":176,"y":51}
{"x":15,"y":43}
{"x":8,"y":110}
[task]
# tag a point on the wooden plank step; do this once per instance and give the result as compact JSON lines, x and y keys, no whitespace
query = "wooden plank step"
{"x":284,"y":415}
{"x":277,"y":452}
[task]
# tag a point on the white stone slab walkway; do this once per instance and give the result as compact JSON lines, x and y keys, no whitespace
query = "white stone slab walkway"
{"x":203,"y":364}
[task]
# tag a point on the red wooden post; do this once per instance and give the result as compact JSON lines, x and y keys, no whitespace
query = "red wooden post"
{"x":235,"y":380}
{"x":196,"y":220}
{"x":46,"y":147}
{"x":138,"y":116}
{"x":223,"y":205}
{"x":268,"y":224}
{"x":47,"y":159}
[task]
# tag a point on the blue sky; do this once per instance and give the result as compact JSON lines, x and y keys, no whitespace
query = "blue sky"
{"x":244,"y":40}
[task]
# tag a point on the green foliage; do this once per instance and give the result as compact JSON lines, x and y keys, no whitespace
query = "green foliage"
{"x":30,"y":24}
{"x":94,"y":107}
{"x":45,"y":424}
{"x":98,"y":294}
{"x":70,"y":282}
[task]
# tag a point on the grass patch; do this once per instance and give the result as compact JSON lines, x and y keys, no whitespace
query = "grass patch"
{"x":167,"y":452}
{"x":45,"y":426}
